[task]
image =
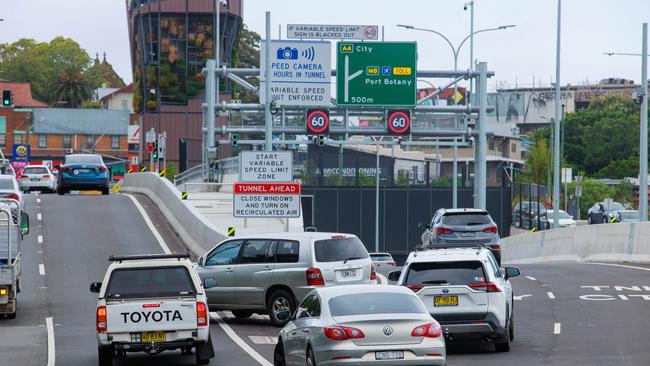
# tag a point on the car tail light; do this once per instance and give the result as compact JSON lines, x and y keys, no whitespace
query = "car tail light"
{"x":495,"y":247}
{"x":46,"y":176}
{"x":24,"y":176}
{"x":431,"y":330}
{"x":101,"y":168}
{"x":373,"y":272}
{"x":491,"y":229}
{"x":201,"y":314}
{"x":338,"y":237}
{"x":443,"y":230}
{"x":487,"y":287}
{"x":415,"y":288}
{"x":340,"y":333}
{"x":101,"y":318}
{"x":13,"y":196}
{"x":314,"y":277}
{"x":391,"y":264}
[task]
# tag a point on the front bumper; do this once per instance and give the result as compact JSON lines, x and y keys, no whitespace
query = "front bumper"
{"x":346,"y":353}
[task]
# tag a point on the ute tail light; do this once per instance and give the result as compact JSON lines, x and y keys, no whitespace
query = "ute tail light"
{"x":431,"y":330}
{"x":495,"y":247}
{"x":491,"y":229}
{"x":373,"y":272}
{"x":340,"y":333}
{"x":314,"y":277}
{"x":443,"y":230}
{"x":415,"y":288}
{"x":12,"y":196}
{"x":101,"y":318}
{"x":201,"y":314}
{"x":487,"y":287}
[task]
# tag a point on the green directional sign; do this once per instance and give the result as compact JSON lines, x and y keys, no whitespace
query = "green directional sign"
{"x":376,"y":73}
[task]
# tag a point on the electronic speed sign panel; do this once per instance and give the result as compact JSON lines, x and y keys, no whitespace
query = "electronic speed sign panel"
{"x":399,"y":122}
{"x":318,"y":121}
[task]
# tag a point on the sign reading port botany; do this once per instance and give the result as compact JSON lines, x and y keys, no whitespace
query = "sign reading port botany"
{"x":266,"y":200}
{"x":376,"y":73}
{"x":300,"y":72}
{"x":260,"y":166}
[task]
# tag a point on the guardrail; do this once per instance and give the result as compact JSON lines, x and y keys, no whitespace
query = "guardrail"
{"x":229,"y":165}
{"x":191,"y":173}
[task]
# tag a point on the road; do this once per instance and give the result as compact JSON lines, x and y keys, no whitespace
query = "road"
{"x":566,"y":313}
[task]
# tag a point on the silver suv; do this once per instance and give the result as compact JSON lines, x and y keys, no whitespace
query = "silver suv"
{"x":271,"y":273}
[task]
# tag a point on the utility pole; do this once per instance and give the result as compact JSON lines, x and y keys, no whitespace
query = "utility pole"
{"x":377,"y":201}
{"x":643,"y":159}
{"x":480,"y":165}
{"x":558,"y":116}
{"x":268,"y":119}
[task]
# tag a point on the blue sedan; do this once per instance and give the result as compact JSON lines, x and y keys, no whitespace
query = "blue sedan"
{"x":83,"y":172}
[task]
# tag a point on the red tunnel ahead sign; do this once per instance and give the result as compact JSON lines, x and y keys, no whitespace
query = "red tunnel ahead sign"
{"x":267,"y":188}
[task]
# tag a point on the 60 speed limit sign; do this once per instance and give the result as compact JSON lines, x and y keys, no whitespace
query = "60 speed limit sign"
{"x":399,"y":122}
{"x":318,"y":121}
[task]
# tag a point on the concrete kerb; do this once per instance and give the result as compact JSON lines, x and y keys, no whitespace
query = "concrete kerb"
{"x":193,"y":228}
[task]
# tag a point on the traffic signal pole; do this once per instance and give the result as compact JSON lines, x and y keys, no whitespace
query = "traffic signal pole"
{"x":268,"y":119}
{"x":643,"y":161}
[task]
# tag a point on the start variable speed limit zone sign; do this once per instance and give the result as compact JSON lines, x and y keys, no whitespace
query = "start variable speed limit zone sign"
{"x":266,"y":200}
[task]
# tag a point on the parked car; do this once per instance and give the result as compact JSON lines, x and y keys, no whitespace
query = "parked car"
{"x":535,"y":217}
{"x":462,"y":227}
{"x":565,"y":220}
{"x":83,"y":172}
{"x":629,"y":216}
{"x":604,"y":212}
{"x":519,"y":212}
{"x":37,"y":177}
{"x":270,"y":273}
{"x":382,"y":260}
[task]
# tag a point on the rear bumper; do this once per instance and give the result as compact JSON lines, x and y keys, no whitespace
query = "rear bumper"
{"x":365,"y":355}
{"x":24,"y":184}
{"x":83,"y":183}
{"x":153,"y":348}
{"x":473,"y":329}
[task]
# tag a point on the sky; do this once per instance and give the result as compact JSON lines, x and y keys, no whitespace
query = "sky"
{"x":518,"y":55}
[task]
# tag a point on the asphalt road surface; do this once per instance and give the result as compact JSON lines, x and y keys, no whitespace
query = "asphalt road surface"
{"x":565,"y":313}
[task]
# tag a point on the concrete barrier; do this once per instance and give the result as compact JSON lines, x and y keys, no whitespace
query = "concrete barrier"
{"x":193,"y":228}
{"x":621,"y":242}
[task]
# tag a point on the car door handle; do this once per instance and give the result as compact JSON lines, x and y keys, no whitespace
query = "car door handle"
{"x":304,"y":331}
{"x":293,"y":332}
{"x":228,"y":270}
{"x":267,"y":268}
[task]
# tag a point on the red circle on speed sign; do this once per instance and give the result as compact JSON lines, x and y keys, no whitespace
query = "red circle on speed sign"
{"x":318,"y":121}
{"x":399,"y":122}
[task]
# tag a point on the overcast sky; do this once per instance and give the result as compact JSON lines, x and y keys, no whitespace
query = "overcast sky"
{"x":517,"y":55}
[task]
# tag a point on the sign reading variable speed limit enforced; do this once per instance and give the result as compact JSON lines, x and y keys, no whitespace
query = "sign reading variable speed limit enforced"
{"x":318,"y":121}
{"x":376,"y":73}
{"x":260,"y":166}
{"x":266,"y":200}
{"x":399,"y":122}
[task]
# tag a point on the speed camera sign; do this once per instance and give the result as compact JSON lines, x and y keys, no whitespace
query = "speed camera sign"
{"x":399,"y":122}
{"x":318,"y":121}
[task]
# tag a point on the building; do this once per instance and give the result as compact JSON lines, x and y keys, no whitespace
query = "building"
{"x":14,"y":121}
{"x":171,"y":40}
{"x":119,"y":99}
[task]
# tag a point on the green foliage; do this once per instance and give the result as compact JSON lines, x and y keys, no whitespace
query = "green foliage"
{"x":402,"y":179}
{"x":88,"y":104}
{"x":171,"y":172}
{"x":246,"y":54}
{"x":442,"y":182}
{"x":310,"y":173}
{"x":592,"y":192}
{"x":624,"y":192}
{"x":538,"y":160}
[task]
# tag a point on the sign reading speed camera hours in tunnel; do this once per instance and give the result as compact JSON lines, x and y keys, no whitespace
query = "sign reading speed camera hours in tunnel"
{"x":318,"y":121}
{"x":399,"y":122}
{"x":266,"y":200}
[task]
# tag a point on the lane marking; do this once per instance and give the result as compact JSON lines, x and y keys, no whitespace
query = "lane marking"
{"x":38,"y":200}
{"x":263,"y":340}
{"x":40,"y":239}
{"x":41,"y":269}
{"x":618,"y":265}
{"x":153,"y":229}
{"x":51,"y":354}
{"x":240,"y":342}
{"x":520,"y":297}
{"x":531,"y":278}
{"x":557,"y":328}
{"x":550,"y":295}
{"x":39,"y":217}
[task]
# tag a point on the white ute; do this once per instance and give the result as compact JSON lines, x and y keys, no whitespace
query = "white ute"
{"x":152,"y":303}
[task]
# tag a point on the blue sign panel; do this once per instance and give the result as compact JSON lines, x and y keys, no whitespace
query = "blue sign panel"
{"x":21,"y":152}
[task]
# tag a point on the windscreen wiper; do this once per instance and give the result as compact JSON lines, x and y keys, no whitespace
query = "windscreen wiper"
{"x":350,"y":259}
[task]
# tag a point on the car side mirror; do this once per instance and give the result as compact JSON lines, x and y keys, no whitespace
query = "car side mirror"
{"x":209,"y":283}
{"x":200,"y":261}
{"x":394,"y":276}
{"x":512,"y":272}
{"x":283,"y":315}
{"x":24,"y":223}
{"x":95,"y":287}
{"x":423,"y":226}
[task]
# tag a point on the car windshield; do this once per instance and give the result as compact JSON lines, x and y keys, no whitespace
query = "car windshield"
{"x":339,"y":249}
{"x":6,"y":184}
{"x":149,"y":282}
{"x":445,"y":273}
{"x":35,"y":170}
{"x":381,"y":257}
{"x":630,"y":215}
{"x":466,"y":218}
{"x":375,"y":303}
{"x":613,"y":206}
{"x":560,"y":215}
{"x":83,"y":159}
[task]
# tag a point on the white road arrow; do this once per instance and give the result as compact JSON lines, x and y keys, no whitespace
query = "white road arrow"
{"x":521,"y":297}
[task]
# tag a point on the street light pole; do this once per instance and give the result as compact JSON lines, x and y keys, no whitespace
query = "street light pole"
{"x":558,"y":115}
{"x":643,"y":159}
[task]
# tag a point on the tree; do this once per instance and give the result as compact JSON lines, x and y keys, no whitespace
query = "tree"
{"x":71,"y":88}
{"x":246,"y":54}
{"x":592,"y":192}
{"x":537,"y":163}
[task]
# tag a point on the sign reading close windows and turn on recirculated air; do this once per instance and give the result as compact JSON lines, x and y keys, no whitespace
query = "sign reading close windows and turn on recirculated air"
{"x":266,"y":200}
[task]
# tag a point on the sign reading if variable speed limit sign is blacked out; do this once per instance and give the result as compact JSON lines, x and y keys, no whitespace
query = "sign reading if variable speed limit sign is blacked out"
{"x":266,"y":200}
{"x":333,"y":31}
{"x":399,"y":122}
{"x":318,"y":121}
{"x":261,"y":166}
{"x":300,"y":72}
{"x":376,"y":73}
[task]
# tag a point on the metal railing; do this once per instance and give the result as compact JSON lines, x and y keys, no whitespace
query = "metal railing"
{"x":190,"y":174}
{"x":229,"y":165}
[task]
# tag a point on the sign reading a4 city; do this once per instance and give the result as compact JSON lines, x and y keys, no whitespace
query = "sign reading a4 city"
{"x":376,"y":73}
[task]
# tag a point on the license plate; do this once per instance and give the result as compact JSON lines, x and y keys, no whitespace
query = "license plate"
{"x":153,"y":337}
{"x":467,"y":234}
{"x":389,"y":355}
{"x":348,"y":273}
{"x":445,"y":300}
{"x":36,"y":179}
{"x":84,"y":170}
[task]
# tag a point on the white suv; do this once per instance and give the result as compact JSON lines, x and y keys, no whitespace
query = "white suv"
{"x":465,"y":291}
{"x":152,"y":303}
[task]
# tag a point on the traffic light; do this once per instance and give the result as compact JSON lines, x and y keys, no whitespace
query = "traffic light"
{"x":7,"y":98}
{"x":235,"y":140}
{"x":154,"y":153}
{"x":320,"y":140}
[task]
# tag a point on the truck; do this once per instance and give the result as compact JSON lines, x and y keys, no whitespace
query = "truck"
{"x":14,"y":223}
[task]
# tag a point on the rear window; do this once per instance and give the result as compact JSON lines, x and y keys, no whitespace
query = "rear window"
{"x":466,"y":219}
{"x":381,"y":257}
{"x":83,"y":159}
{"x":375,"y":303}
{"x":445,"y":273}
{"x":149,"y":282}
{"x":6,"y":184}
{"x":338,"y":250}
{"x":39,"y":170}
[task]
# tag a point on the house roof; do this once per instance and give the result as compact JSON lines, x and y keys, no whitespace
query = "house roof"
{"x":126,"y":89}
{"x":22,"y":94}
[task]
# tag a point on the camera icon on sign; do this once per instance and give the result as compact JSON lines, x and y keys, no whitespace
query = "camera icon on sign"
{"x":287,"y":53}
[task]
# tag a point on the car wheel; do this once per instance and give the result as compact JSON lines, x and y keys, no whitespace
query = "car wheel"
{"x":502,"y":344}
{"x":13,"y":315}
{"x":279,"y":300}
{"x":511,"y":329}
{"x":105,"y":191}
{"x":105,"y":355}
{"x":60,"y":191}
{"x":278,"y":354}
{"x":204,"y":352}
{"x":242,"y":314}
{"x":311,"y":361}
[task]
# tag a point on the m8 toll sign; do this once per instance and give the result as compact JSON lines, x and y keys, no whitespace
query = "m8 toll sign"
{"x":376,"y":73}
{"x":266,"y":200}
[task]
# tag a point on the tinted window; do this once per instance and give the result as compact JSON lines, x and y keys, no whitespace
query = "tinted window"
{"x":466,"y":219}
{"x":375,"y":303}
{"x":83,"y":159}
{"x":39,"y":170}
{"x":255,"y":251}
{"x":445,"y":273}
{"x":381,"y":257}
{"x":287,"y":252}
{"x":309,"y":308}
{"x":149,"y":282}
{"x":6,"y":184}
{"x":225,"y":254}
{"x":338,"y":250}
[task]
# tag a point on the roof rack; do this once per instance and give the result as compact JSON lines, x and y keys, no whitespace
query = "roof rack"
{"x":139,"y":257}
{"x":422,"y":248}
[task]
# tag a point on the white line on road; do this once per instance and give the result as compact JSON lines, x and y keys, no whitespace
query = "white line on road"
{"x":40,"y":239}
{"x":38,"y":200}
{"x":618,"y":265}
{"x":39,"y":217}
{"x":263,"y":340}
{"x":520,"y":297}
{"x":557,"y":328}
{"x":41,"y":269}
{"x":153,"y":229}
{"x":531,"y":278}
{"x":231,"y":333}
{"x":51,"y":354}
{"x":550,"y":295}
